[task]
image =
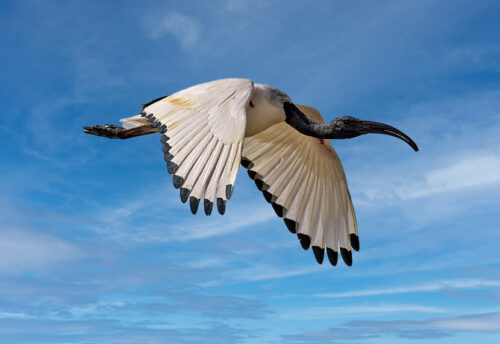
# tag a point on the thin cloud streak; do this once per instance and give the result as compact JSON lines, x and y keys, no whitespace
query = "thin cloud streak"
{"x":24,"y":251}
{"x":262,"y":273}
{"x":474,"y":171}
{"x":119,"y":222}
{"x":337,"y":312}
{"x":422,"y":288}
{"x":432,"y":328}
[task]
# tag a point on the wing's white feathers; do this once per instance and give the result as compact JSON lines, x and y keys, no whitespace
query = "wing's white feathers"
{"x":233,"y":171}
{"x":191,"y":147}
{"x":185,"y":133}
{"x":312,"y":206}
{"x":290,"y":194}
{"x":156,"y":108}
{"x":353,"y":226}
{"x":209,"y":171}
{"x":232,"y":127}
{"x":344,"y":239}
{"x":315,"y":214}
{"x":262,"y":151}
{"x":185,"y":140}
{"x":211,"y":191}
{"x":291,"y":199}
{"x":133,"y":122}
{"x":179,"y":128}
{"x":345,"y":213}
{"x":329,"y":218}
{"x":173,"y":115}
{"x":305,"y":193}
{"x":352,"y":219}
{"x":193,"y":179}
{"x":285,"y":152}
{"x":286,"y":177}
{"x":319,"y":227}
{"x":189,"y":160}
{"x":226,"y":128}
{"x":268,"y":162}
{"x":257,"y":148}
{"x":339,"y":223}
{"x":305,"y":181}
{"x":224,"y":180}
{"x":205,"y":128}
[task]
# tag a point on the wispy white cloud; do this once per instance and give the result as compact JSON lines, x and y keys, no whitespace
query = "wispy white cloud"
{"x":482,"y":322}
{"x":261,"y":272}
{"x":342,"y":311}
{"x":479,"y":322}
{"x":409,"y":329}
{"x":12,"y":315}
{"x":421,"y":288}
{"x":186,"y":29}
{"x":476,"y":170}
{"x":24,"y":251}
{"x":235,"y":221}
{"x":162,"y":219}
{"x":458,"y":137}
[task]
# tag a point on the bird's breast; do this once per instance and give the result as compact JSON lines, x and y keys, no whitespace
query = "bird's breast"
{"x":261,"y":114}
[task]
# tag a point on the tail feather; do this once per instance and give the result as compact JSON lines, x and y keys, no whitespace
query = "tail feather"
{"x":134,"y":122}
{"x":115,"y":132}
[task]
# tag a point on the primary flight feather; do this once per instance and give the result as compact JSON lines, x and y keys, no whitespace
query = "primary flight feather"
{"x":209,"y":129}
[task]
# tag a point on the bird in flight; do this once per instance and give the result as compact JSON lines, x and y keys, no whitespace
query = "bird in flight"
{"x":209,"y":129}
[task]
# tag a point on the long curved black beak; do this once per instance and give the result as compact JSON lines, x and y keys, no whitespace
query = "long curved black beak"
{"x":369,"y":127}
{"x":344,"y":127}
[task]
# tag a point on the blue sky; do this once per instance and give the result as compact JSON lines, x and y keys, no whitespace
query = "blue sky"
{"x":97,"y":248}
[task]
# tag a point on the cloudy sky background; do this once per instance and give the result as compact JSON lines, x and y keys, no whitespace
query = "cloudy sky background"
{"x":96,"y":247}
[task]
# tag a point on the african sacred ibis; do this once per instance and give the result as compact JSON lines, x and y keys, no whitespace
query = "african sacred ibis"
{"x":208,"y":130}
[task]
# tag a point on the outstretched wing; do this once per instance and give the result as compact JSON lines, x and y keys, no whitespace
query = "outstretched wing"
{"x":203,"y":129}
{"x":303,"y":179}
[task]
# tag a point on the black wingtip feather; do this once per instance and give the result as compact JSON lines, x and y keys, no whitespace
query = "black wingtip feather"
{"x":221,"y":206}
{"x":319,"y":254}
{"x":259,"y":183}
{"x":278,"y":209}
{"x":346,"y":256}
{"x":178,"y":181}
{"x":246,"y":163}
{"x":184,"y":194}
{"x":268,"y":196}
{"x":207,"y":204}
{"x":291,"y":225}
{"x":163,"y":139}
{"x":193,"y":204}
{"x":168,"y":157}
{"x":354,"y":241}
{"x":171,"y":167}
{"x":252,"y":174}
{"x":162,"y":129}
{"x":229,"y":191}
{"x":305,"y":240}
{"x":333,"y":256}
{"x":165,"y":147}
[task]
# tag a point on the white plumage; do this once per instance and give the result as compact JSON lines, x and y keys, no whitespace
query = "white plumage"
{"x":210,"y":129}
